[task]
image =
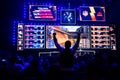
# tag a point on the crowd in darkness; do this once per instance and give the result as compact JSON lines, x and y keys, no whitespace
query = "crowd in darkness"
{"x":101,"y":66}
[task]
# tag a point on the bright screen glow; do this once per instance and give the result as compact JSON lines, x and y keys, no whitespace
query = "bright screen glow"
{"x":64,"y":33}
{"x":34,"y":36}
{"x":42,"y":13}
{"x":92,"y":13}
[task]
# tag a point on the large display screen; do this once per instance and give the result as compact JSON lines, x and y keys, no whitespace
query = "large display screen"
{"x":92,"y":13}
{"x":100,"y":38}
{"x":68,"y":16}
{"x":31,"y":37}
{"x":64,"y":33}
{"x":34,"y":36}
{"x":42,"y":13}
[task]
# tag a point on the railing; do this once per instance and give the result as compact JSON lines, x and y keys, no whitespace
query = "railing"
{"x":78,"y":53}
{"x":48,"y":53}
{"x":84,"y":52}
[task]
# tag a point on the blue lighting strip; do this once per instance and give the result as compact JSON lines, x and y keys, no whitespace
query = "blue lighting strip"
{"x":25,"y":11}
{"x":14,"y":33}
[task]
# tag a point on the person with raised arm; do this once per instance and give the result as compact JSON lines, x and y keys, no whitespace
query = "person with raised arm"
{"x":67,"y":53}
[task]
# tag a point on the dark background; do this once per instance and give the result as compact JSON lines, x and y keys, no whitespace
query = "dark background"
{"x":11,"y":10}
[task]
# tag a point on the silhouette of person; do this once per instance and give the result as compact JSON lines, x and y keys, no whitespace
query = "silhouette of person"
{"x":67,"y":54}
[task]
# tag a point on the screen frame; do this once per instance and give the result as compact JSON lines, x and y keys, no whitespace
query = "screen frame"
{"x":44,"y":36}
{"x":67,"y":10}
{"x":91,"y":20}
{"x":69,"y":26}
{"x":42,"y":18}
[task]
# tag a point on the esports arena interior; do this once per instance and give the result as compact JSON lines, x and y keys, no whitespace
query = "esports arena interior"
{"x":27,"y":28}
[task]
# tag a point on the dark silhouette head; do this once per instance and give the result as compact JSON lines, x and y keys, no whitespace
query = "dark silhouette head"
{"x":67,"y":44}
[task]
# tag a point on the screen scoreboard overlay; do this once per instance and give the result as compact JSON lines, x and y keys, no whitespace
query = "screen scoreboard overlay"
{"x":64,"y":33}
{"x":33,"y":37}
{"x":100,"y":37}
{"x":112,"y":38}
{"x":92,"y":13}
{"x":42,"y":13}
{"x":41,"y":36}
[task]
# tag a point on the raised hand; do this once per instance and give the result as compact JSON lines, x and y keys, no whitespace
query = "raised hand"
{"x":54,"y":34}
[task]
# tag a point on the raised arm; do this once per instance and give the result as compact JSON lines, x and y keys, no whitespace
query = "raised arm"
{"x":56,"y":42}
{"x":76,"y":45}
{"x":79,"y":31}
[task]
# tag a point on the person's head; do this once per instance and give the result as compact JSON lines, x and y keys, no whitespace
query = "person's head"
{"x":67,"y":44}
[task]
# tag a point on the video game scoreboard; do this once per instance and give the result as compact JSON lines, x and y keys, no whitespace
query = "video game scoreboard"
{"x":35,"y":36}
{"x":40,"y":36}
{"x":42,"y":13}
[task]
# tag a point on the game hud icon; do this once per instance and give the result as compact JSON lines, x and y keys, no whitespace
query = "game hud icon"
{"x":68,"y":16}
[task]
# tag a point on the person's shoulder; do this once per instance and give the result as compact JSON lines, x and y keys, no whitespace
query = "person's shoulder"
{"x":72,"y":50}
{"x":62,"y":48}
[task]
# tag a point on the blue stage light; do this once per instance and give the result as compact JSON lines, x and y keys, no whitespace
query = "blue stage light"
{"x":36,"y":3}
{"x":49,"y":4}
{"x":28,"y":3}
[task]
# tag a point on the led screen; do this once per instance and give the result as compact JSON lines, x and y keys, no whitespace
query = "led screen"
{"x":68,"y":16}
{"x":100,"y":38}
{"x":64,"y":33}
{"x":42,"y":13}
{"x":92,"y":13}
{"x":34,"y":36}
